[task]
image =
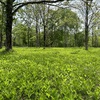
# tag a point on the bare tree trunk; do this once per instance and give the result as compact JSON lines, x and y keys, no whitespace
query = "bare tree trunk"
{"x":39,"y":38}
{"x":65,"y":39}
{"x":1,"y":40}
{"x":37,"y":33}
{"x":96,"y":41}
{"x":1,"y":36}
{"x":86,"y":26}
{"x":44,"y":26}
{"x":9,"y":20}
{"x":92,"y":38}
{"x":28,"y":36}
{"x":44,"y":37}
{"x":75,"y":41}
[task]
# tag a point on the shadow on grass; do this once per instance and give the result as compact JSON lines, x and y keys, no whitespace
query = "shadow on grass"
{"x":3,"y":52}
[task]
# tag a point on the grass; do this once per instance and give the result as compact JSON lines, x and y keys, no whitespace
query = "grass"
{"x":50,"y":74}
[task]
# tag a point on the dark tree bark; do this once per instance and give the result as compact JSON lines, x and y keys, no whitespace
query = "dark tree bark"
{"x":28,"y":36}
{"x":9,"y":20}
{"x":2,"y":28}
{"x":75,"y":44}
{"x":96,"y":41}
{"x":86,"y":26}
{"x":92,"y":38}
{"x":44,"y":37}
{"x":88,"y":6}
{"x":0,"y":39}
{"x":44,"y":27}
{"x":37,"y":33}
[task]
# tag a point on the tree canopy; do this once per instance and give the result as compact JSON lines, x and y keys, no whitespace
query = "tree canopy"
{"x":52,"y":21}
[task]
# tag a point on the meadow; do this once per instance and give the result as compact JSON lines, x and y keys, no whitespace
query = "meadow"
{"x":50,"y":74}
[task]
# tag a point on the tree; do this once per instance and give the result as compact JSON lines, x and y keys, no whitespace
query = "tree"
{"x":85,"y":9}
{"x":94,"y":23}
{"x":62,"y":23}
{"x":20,"y":37}
{"x":11,"y":8}
{"x":25,"y":17}
{"x":36,"y":17}
{"x":69,"y":23}
{"x":1,"y":24}
{"x":0,"y":28}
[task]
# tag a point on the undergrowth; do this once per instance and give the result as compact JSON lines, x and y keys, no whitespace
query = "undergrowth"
{"x":50,"y":74}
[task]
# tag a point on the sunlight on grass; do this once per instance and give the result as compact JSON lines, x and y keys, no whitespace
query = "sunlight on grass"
{"x":50,"y":74}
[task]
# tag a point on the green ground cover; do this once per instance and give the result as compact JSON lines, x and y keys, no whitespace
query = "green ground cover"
{"x":50,"y":74}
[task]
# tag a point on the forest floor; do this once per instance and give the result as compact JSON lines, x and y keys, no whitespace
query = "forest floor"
{"x":50,"y":74}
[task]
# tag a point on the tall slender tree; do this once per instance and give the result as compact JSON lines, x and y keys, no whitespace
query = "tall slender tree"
{"x":84,"y":7}
{"x":87,"y":7}
{"x":1,"y":24}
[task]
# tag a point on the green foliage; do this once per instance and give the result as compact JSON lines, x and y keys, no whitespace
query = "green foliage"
{"x":69,"y":19}
{"x":50,"y":74}
{"x":79,"y":39}
{"x":20,"y":35}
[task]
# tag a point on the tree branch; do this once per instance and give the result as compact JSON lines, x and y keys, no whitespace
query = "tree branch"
{"x":32,"y":2}
{"x":2,"y":3}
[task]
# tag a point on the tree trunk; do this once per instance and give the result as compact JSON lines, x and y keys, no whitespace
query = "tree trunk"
{"x":39,"y":37}
{"x":75,"y":40}
{"x":1,"y":40}
{"x":86,"y":26}
{"x":66,"y":38}
{"x":37,"y":33}
{"x":96,"y":41}
{"x":28,"y":36}
{"x":92,"y":38}
{"x":44,"y":37}
{"x":9,"y":20}
{"x":2,"y":27}
{"x":44,"y":26}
